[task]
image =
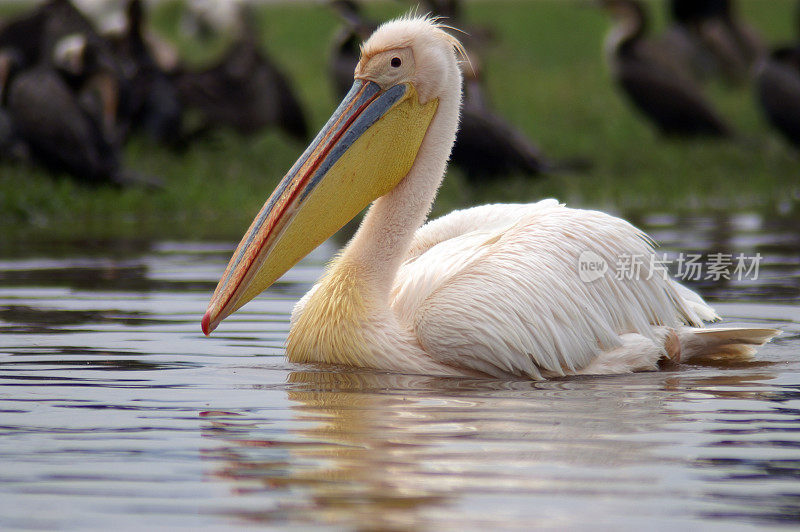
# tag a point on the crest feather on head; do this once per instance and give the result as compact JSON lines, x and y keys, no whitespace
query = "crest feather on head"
{"x":402,"y":32}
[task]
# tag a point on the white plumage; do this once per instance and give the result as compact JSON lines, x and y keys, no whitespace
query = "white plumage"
{"x":500,"y":292}
{"x":496,"y":289}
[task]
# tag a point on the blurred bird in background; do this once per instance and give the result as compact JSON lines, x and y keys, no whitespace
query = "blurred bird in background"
{"x":712,"y":40}
{"x":64,"y":89}
{"x":153,"y":104}
{"x":654,"y":82}
{"x":70,"y":96}
{"x":245,"y":90}
{"x":778,"y":87}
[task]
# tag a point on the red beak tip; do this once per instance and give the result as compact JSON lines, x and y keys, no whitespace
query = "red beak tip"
{"x":206,"y":324}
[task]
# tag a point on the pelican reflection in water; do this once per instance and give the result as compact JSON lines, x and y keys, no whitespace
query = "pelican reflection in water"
{"x":379,"y":451}
{"x":492,"y":290}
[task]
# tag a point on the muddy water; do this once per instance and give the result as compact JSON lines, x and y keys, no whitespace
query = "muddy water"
{"x":116,"y":412}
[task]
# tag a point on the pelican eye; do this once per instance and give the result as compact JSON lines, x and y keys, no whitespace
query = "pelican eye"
{"x":396,"y":62}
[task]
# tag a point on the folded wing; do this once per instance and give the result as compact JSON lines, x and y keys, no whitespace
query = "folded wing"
{"x":497,"y":289}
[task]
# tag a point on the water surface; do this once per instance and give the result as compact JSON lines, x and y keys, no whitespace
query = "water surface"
{"x":116,"y":412}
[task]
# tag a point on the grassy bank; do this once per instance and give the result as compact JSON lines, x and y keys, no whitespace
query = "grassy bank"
{"x":546,"y":72}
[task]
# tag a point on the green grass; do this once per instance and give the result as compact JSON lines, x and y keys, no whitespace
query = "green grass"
{"x":545,"y":72}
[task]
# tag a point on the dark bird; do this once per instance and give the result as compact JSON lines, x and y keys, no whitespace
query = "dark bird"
{"x":667,"y":96}
{"x":713,"y":40}
{"x":777,"y":84}
{"x":681,"y":41}
{"x":53,"y":84}
{"x":62,"y":123}
{"x":778,"y":91}
{"x":62,"y":96}
{"x":245,"y":90}
{"x":487,"y":146}
{"x":153,"y":105}
{"x":57,"y":129}
{"x":36,"y":33}
{"x":8,"y":135}
{"x":57,"y":34}
{"x":11,"y":145}
{"x":23,"y":34}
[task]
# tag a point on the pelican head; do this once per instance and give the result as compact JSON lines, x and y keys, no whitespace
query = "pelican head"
{"x":407,"y":70}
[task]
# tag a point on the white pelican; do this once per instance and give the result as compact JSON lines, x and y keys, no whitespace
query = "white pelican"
{"x":492,"y":290}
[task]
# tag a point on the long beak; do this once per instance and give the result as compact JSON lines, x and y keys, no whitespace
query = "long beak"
{"x":365,"y":150}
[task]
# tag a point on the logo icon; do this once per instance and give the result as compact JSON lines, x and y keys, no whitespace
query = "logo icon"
{"x":591,"y":266}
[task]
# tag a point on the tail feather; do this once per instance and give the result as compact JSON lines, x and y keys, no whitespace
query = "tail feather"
{"x":697,"y":344}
